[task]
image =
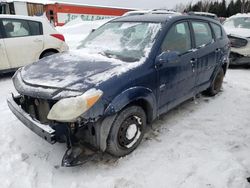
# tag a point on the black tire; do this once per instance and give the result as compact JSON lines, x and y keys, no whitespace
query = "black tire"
{"x":46,"y":54}
{"x":216,"y":84}
{"x":132,"y":119}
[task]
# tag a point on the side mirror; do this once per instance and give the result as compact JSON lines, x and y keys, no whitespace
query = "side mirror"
{"x":92,"y":30}
{"x":166,"y":57}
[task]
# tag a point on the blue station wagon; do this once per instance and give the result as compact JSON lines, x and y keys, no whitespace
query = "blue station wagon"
{"x":124,"y":75}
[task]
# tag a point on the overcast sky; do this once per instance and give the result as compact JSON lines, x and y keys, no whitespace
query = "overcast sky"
{"x":150,"y":4}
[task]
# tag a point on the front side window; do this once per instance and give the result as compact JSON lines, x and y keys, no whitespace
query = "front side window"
{"x":128,"y":41}
{"x":177,"y":39}
{"x":202,"y":33}
{"x":15,"y":28}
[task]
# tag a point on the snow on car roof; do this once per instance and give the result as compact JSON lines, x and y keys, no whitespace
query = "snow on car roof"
{"x":241,"y":15}
{"x":146,"y":18}
{"x":35,"y":18}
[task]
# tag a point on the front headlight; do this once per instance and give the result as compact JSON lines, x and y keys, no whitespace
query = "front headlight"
{"x":69,"y":109}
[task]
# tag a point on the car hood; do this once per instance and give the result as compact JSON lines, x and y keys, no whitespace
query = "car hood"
{"x":68,"y":71}
{"x":241,"y":32}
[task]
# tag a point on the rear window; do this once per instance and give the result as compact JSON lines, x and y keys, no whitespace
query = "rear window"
{"x":21,"y":28}
{"x":217,"y":30}
{"x":202,"y":33}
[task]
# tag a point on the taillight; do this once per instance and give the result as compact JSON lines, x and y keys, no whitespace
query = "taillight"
{"x":58,"y":36}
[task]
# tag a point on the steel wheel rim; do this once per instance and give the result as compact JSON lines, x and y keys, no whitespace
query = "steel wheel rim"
{"x":127,"y":140}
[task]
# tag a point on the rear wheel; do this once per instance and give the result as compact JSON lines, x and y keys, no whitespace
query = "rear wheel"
{"x":127,"y":131}
{"x":216,"y":84}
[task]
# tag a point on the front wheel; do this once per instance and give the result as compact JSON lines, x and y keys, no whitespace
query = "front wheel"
{"x":216,"y":84}
{"x":127,"y":131}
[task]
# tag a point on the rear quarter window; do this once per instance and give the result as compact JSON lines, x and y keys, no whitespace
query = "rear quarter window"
{"x":202,"y":33}
{"x":217,"y":30}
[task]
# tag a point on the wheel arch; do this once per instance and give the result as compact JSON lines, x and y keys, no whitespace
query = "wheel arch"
{"x":140,"y":96}
{"x":48,"y":50}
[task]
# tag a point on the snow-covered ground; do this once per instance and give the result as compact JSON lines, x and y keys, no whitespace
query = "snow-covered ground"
{"x":204,"y":143}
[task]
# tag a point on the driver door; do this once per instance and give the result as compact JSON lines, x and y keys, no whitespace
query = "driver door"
{"x":176,"y":76}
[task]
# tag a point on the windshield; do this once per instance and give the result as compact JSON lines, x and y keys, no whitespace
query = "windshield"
{"x":238,"y":22}
{"x":127,"y":41}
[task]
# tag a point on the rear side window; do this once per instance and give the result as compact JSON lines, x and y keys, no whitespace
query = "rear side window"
{"x":177,"y":39}
{"x":21,"y":28}
{"x":202,"y":33}
{"x":217,"y":30}
{"x":35,"y":28}
{"x":16,"y":28}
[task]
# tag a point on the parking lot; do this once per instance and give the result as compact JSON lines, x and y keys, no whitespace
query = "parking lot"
{"x":202,"y":143}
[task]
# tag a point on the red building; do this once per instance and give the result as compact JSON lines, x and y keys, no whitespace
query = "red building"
{"x":60,"y":12}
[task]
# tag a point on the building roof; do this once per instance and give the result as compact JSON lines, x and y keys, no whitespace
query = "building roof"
{"x":45,"y":2}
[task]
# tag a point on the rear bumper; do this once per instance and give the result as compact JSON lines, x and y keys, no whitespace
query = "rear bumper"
{"x":44,"y":131}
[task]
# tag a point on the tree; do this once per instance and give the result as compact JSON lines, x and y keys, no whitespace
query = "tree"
{"x":230,"y":9}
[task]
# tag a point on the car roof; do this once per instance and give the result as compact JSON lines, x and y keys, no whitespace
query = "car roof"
{"x":160,"y":18}
{"x":146,"y":18}
{"x":34,"y":18}
{"x":203,"y":13}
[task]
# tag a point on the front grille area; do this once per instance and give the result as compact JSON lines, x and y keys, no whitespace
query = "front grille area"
{"x":237,"y":42}
{"x":37,"y":108}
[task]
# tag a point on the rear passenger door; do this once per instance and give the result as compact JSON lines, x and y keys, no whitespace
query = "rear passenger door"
{"x":23,"y":41}
{"x":220,"y":44}
{"x":4,"y":63}
{"x":176,"y":76}
{"x":205,"y":46}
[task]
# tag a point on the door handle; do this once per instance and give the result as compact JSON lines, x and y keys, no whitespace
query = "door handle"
{"x":38,"y":40}
{"x":218,"y":50}
{"x":193,"y":61}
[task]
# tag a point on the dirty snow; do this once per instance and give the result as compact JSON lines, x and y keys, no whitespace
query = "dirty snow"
{"x":203,"y":143}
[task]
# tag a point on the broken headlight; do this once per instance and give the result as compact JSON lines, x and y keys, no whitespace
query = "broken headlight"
{"x":69,"y":109}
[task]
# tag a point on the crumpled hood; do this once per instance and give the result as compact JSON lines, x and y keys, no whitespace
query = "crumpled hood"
{"x":68,"y":70}
{"x":241,"y":32}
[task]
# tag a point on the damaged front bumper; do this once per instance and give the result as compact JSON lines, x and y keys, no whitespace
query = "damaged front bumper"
{"x":44,"y":131}
{"x":238,"y":59}
{"x":77,"y":153}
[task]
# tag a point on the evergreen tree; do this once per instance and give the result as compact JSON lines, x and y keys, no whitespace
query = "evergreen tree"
{"x":230,"y":9}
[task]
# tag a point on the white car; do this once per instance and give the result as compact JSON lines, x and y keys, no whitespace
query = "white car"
{"x":238,"y":31}
{"x":24,"y":40}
